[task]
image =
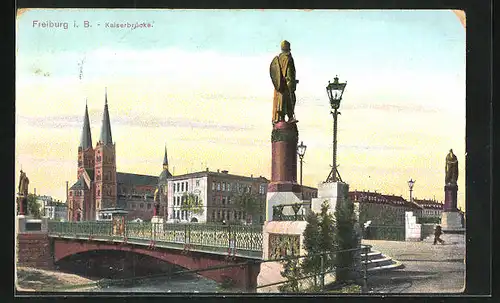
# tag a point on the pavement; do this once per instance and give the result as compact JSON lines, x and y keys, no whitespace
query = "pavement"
{"x":427,"y":268}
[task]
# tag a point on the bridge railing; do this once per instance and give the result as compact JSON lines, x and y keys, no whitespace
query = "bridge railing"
{"x":228,"y":239}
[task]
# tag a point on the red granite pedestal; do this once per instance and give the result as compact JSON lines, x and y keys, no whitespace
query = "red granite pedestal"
{"x":284,"y":138}
{"x":451,"y":219}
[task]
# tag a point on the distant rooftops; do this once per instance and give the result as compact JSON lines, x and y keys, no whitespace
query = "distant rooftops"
{"x":224,"y":173}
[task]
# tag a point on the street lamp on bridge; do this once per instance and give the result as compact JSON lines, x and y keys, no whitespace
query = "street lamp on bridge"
{"x":301,"y":151}
{"x":410,"y":185}
{"x":335,"y":91}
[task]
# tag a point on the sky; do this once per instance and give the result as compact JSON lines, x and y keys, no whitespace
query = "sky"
{"x":198,"y":82}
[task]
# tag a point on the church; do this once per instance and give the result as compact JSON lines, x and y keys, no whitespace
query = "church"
{"x":100,"y":191}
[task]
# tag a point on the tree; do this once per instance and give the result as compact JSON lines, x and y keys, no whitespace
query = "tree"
{"x":192,"y":203}
{"x":292,"y":272}
{"x":345,"y":238}
{"x":33,"y":206}
{"x":327,"y":235}
{"x":312,"y":264}
{"x":250,"y":203}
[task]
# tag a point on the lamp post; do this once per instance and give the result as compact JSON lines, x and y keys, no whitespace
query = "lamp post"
{"x":410,"y":185}
{"x":301,"y":151}
{"x":335,"y":91}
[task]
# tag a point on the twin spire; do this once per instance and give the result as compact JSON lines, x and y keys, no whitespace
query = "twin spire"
{"x":106,"y":138}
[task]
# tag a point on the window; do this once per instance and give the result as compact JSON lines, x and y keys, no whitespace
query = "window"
{"x":223,"y":200}
{"x":228,"y":200}
{"x":70,"y":193}
{"x":213,"y":185}
{"x":98,"y":193}
{"x":197,"y":182}
{"x":218,"y":215}
{"x":228,"y":186}
{"x":187,"y":188}
{"x":218,"y":186}
{"x":149,"y":205}
{"x":224,"y":186}
{"x":182,"y":186}
{"x":141,"y":205}
{"x":213,"y":214}
{"x":235,"y":215}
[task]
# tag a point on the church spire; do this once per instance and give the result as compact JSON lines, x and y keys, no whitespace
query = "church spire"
{"x":106,"y":125}
{"x":165,"y":159}
{"x":86,"y":139}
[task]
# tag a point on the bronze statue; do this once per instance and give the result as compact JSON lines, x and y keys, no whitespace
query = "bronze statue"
{"x":23,"y":184}
{"x":451,"y":168}
{"x":282,"y":71}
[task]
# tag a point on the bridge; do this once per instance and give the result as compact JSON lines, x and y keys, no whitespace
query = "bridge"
{"x":191,"y":246}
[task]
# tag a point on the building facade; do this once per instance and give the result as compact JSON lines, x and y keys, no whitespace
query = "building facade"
{"x":100,"y":190}
{"x":430,"y":208}
{"x":217,"y":192}
{"x":382,"y":209}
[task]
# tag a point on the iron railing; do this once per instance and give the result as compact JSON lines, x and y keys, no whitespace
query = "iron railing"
{"x":291,"y":212}
{"x":245,"y":241}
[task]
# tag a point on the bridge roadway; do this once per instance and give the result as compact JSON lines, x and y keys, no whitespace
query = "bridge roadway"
{"x":234,"y":240}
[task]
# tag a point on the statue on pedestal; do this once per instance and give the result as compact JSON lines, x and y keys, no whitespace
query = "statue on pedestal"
{"x":156,"y":210}
{"x":22,"y":194}
{"x":451,"y":168}
{"x":282,"y":71}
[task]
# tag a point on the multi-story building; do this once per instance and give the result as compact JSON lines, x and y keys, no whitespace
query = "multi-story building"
{"x":52,"y":208}
{"x":382,"y":209}
{"x":56,"y":210}
{"x":217,"y":192}
{"x":99,"y":190}
{"x":430,"y":208}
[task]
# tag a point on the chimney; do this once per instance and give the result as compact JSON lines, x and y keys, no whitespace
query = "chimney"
{"x":217,"y":170}
{"x":251,"y":176}
{"x":34,"y":190}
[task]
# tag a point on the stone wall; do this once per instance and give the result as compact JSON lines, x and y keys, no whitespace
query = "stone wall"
{"x":33,"y":250}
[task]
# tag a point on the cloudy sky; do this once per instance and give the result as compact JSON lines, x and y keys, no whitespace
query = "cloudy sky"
{"x":198,"y":81}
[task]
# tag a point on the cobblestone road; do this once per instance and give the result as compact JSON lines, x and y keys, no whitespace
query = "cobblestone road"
{"x":427,"y":268}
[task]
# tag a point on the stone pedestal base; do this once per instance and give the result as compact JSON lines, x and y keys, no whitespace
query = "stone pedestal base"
{"x":334,"y":193}
{"x":275,"y":198}
{"x":450,"y":197}
{"x":451,"y":221}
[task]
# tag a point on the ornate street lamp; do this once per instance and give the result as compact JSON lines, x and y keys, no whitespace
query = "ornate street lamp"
{"x":335,"y":91}
{"x":301,"y":151}
{"x":410,"y":185}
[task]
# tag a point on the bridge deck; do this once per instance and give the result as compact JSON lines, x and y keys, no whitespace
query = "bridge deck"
{"x":239,"y":241}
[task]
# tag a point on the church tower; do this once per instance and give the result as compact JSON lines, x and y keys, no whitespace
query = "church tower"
{"x":85,"y":150}
{"x":105,"y":166}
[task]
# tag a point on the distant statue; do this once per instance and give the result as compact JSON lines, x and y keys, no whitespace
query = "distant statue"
{"x":156,"y":210}
{"x":282,"y":71}
{"x":23,"y":184}
{"x":451,"y":168}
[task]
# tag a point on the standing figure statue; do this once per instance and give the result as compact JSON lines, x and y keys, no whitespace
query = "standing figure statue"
{"x":451,"y":168}
{"x":23,"y":184}
{"x":156,"y":210}
{"x":282,"y":71}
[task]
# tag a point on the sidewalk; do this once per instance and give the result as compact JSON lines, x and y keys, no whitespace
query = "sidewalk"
{"x":427,"y":268}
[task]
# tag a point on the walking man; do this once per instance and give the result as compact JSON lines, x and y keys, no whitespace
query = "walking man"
{"x":437,"y":233}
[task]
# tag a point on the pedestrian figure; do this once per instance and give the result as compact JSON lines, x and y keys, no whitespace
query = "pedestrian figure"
{"x":437,"y":233}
